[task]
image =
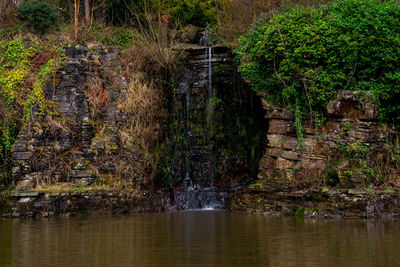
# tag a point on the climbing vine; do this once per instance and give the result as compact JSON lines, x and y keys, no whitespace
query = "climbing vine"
{"x":24,"y":69}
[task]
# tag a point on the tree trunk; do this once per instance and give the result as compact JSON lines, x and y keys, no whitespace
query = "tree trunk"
{"x":87,"y":11}
{"x":76,"y":18}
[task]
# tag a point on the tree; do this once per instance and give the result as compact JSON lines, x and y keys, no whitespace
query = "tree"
{"x":38,"y":15}
{"x":87,"y":11}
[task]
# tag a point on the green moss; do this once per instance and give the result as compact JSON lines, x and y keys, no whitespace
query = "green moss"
{"x":299,"y":212}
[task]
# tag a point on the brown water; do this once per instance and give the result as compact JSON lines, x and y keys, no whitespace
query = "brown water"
{"x":198,"y":238}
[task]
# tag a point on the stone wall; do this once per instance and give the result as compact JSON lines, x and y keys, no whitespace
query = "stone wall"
{"x":82,"y":140}
{"x":351,"y":148}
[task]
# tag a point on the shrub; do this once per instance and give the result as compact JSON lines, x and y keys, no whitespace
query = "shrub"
{"x":38,"y":15}
{"x":195,"y":12}
{"x":123,"y":38}
{"x":183,"y":12}
{"x":300,"y":58}
{"x":119,"y":37}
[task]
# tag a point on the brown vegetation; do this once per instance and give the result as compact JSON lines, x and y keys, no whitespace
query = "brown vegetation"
{"x":234,"y":17}
{"x":97,"y":95}
{"x":8,"y":9}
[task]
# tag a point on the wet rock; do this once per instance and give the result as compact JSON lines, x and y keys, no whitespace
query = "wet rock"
{"x":334,"y":204}
{"x":25,"y":200}
{"x":76,"y":203}
{"x":206,"y":198}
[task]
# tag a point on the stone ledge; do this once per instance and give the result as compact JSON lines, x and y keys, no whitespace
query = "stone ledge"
{"x":322,"y":204}
{"x":83,"y":203}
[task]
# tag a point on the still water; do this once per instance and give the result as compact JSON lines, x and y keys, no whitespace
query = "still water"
{"x":198,"y":238}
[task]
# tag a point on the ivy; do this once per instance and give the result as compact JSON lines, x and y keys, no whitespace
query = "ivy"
{"x":23,"y":72}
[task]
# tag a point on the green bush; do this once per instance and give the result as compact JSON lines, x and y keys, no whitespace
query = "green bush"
{"x":195,"y":12}
{"x":38,"y":16}
{"x":181,"y":12}
{"x":122,"y":38}
{"x":300,"y":58}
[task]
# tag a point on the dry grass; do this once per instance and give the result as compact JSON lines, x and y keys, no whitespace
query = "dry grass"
{"x":143,"y":104}
{"x":71,"y":187}
{"x":149,"y":64}
{"x":8,"y":9}
{"x":97,"y":95}
{"x":4,"y":113}
{"x":152,"y":52}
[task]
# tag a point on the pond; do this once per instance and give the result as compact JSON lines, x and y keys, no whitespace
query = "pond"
{"x":198,"y":238}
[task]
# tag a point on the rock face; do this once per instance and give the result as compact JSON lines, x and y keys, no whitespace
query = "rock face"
{"x":216,"y":123}
{"x":215,"y":131}
{"x":322,"y":204}
{"x":83,"y":139}
{"x":350,"y":149}
{"x":347,"y":149}
{"x":81,"y":203}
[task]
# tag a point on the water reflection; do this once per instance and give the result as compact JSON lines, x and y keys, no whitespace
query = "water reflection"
{"x":201,"y":238}
{"x":5,"y":242}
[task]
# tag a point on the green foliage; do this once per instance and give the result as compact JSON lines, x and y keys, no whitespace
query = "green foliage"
{"x":123,"y":38}
{"x":38,"y":15}
{"x":183,"y":12}
{"x":23,"y":73}
{"x":395,"y":153}
{"x":354,"y":150}
{"x":120,"y":37}
{"x":195,"y":12}
{"x":18,"y":63}
{"x":303,"y":56}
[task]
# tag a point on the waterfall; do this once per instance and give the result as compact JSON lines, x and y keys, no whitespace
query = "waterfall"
{"x":191,"y":196}
{"x":210,"y":104}
{"x":184,"y":91}
{"x":210,"y":72}
{"x":207,"y":151}
{"x":187,"y":182}
{"x":210,"y":115}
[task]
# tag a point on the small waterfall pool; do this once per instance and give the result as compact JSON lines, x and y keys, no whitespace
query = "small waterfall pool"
{"x":201,"y":199}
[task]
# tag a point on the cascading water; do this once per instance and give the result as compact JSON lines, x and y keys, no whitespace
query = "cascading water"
{"x":184,"y":90}
{"x":208,"y":142}
{"x":210,"y":114}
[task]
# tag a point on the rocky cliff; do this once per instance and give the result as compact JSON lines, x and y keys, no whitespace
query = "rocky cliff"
{"x":347,"y":165}
{"x":81,"y":140}
{"x":351,"y":148}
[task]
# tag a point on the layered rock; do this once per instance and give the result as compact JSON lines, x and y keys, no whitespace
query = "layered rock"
{"x":323,"y":204}
{"x":346,"y":149}
{"x":83,"y":203}
{"x":81,"y":140}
